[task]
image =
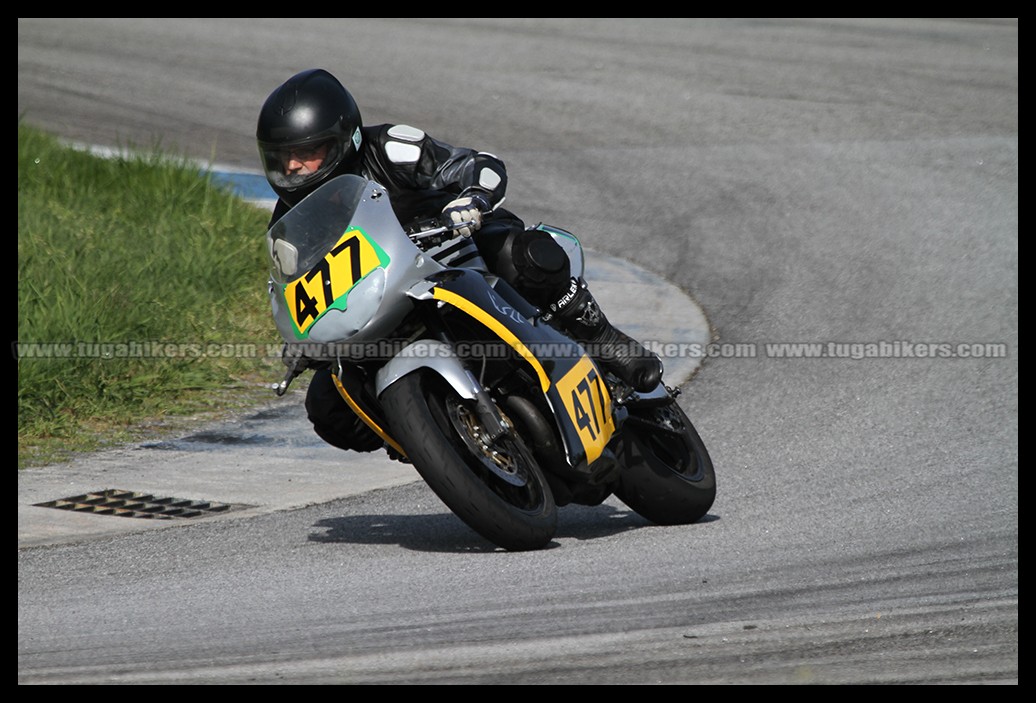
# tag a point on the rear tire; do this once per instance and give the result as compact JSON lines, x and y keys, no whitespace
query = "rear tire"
{"x":499,"y":491}
{"x":668,"y":477}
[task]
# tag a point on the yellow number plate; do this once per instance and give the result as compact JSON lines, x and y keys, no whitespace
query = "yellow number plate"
{"x":352,"y":258}
{"x":589,"y":405}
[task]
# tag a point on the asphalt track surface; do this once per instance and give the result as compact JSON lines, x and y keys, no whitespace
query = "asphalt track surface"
{"x":840,"y":196}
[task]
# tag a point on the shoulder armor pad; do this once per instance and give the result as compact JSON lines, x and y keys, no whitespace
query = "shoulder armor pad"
{"x":406,"y":133}
{"x":400,"y":153}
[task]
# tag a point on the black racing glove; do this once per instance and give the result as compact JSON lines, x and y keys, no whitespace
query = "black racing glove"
{"x":467,"y":208}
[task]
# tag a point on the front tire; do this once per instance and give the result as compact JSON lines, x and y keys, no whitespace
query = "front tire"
{"x":498,"y":490}
{"x":668,"y":477}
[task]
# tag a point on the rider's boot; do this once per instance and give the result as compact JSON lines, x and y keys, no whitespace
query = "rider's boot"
{"x":577,"y":314}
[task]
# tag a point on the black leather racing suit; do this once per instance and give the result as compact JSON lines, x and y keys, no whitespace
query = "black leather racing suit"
{"x":422,"y":175}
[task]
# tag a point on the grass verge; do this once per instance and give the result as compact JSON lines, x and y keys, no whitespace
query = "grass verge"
{"x":141,"y":298}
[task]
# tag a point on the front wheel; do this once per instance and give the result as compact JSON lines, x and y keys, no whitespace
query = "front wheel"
{"x":497,"y":488}
{"x":668,"y":476}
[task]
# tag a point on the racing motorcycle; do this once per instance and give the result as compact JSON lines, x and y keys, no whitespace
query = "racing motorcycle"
{"x":502,"y":415}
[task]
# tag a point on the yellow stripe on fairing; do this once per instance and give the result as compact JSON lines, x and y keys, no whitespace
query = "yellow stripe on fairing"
{"x":366,"y":418}
{"x":499,"y":328}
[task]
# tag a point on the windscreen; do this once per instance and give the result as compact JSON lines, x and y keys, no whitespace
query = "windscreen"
{"x":300,"y":239}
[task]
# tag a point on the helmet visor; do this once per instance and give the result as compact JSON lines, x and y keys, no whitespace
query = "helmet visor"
{"x":292,"y":166}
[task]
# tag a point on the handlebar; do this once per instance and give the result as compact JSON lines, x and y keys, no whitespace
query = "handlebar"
{"x":434,"y":231}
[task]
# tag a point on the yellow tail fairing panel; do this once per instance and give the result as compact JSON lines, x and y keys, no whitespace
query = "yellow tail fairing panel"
{"x":589,"y":405}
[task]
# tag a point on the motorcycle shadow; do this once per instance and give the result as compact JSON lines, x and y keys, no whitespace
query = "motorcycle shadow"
{"x":444,"y":532}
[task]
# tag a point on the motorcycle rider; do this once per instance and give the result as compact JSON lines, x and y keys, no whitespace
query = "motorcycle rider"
{"x":310,"y":131}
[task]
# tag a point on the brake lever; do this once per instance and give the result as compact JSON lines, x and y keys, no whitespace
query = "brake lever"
{"x":443,"y":233}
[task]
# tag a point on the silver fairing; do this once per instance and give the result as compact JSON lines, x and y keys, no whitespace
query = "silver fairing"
{"x":377,"y":304}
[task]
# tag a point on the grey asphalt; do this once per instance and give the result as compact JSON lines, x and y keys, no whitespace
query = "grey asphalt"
{"x":241,"y":463}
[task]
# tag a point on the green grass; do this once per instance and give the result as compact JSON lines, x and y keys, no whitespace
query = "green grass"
{"x":141,"y":297}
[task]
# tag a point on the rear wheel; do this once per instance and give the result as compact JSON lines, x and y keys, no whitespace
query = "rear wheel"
{"x":497,"y":488}
{"x":668,"y":476}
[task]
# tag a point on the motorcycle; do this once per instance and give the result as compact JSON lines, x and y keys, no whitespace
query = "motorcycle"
{"x":502,"y":415}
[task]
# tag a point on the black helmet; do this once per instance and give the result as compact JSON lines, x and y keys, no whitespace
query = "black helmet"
{"x":309,"y":112}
